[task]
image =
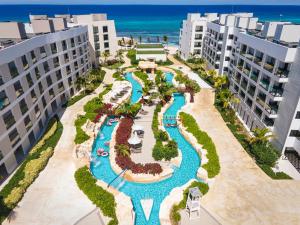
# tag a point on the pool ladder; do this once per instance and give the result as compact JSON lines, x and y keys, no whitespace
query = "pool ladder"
{"x":122,"y":172}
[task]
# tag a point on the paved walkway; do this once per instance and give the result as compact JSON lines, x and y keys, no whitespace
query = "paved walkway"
{"x":186,"y":70}
{"x":54,"y":197}
{"x":242,"y":193}
{"x":148,"y":141}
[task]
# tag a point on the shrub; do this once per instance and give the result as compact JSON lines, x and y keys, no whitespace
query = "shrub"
{"x":100,"y":197}
{"x":118,"y":76}
{"x":213,"y":165}
{"x":272,"y":174}
{"x":162,"y":135}
{"x":264,"y":154}
{"x":13,"y":191}
{"x":132,"y":56}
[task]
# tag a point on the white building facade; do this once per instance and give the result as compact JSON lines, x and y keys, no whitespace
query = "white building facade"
{"x":262,"y":63}
{"x":102,"y":34}
{"x":37,"y":76}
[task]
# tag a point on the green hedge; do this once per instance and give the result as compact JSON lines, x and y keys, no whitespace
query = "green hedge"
{"x":131,"y":54}
{"x":89,"y":109}
{"x":118,"y":76}
{"x":100,"y":197}
{"x":213,"y":165}
{"x":174,"y":214}
{"x":15,"y":181}
{"x":162,"y":151}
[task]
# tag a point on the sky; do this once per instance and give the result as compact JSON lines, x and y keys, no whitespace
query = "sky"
{"x":154,"y":2}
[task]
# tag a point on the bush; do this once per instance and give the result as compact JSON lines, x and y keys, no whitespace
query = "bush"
{"x":132,"y":56}
{"x":174,"y":214}
{"x":272,"y":174}
{"x":162,"y":135}
{"x":118,"y":76}
{"x":165,"y":63}
{"x":264,"y":154}
{"x":213,"y":165}
{"x":100,"y":197}
{"x":33,"y":164}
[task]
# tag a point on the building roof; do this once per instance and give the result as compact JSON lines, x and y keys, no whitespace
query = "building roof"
{"x":147,"y":65}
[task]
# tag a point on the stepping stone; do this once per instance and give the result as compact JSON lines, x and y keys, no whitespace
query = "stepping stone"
{"x":147,"y":207}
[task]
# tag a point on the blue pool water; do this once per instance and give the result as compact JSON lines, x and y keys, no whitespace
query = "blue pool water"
{"x":137,"y":89}
{"x":169,"y":77}
{"x":157,"y":191}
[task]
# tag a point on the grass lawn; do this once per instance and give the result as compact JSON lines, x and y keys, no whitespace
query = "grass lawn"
{"x":151,"y":52}
{"x":150,"y":46}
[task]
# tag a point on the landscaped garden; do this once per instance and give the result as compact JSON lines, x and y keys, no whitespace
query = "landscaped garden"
{"x":35,"y":162}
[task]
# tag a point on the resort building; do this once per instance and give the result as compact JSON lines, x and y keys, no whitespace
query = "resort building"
{"x":262,"y":63}
{"x":151,"y":51}
{"x":102,"y":34}
{"x":38,"y":71}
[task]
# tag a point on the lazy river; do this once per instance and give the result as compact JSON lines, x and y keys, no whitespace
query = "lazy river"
{"x":157,"y":191}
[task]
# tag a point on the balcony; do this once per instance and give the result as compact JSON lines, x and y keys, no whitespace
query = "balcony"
{"x":276,"y":92}
{"x":258,"y":61}
{"x":269,"y":67}
{"x":254,"y":76}
{"x":240,"y":67}
{"x":282,"y":73}
{"x":244,"y":86}
{"x":265,"y":84}
{"x":272,"y":110}
{"x":246,"y":71}
{"x":251,"y":92}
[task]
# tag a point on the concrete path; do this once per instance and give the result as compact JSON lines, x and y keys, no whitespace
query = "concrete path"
{"x":127,"y":62}
{"x":187,"y":71}
{"x":148,"y":141}
{"x":242,"y":193}
{"x":54,"y":197}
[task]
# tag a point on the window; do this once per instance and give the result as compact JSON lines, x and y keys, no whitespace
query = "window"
{"x":95,"y":30}
{"x":23,"y":106}
{"x":31,"y":138}
{"x":72,"y":42}
{"x":70,"y":81}
{"x":44,"y":102}
{"x":37,"y":73}
{"x":230,"y":37}
{"x":37,"y":111}
{"x":41,"y":88}
{"x":56,"y":62}
{"x":1,"y":80}
{"x":60,"y":87}
{"x":18,"y":89}
{"x":79,"y":40}
{"x":43,"y":52}
{"x":33,"y":57}
{"x":295,"y":133}
{"x":53,"y":48}
{"x":298,"y":115}
{"x":46,"y":67}
{"x":64,"y":45}
{"x":24,"y":62}
{"x":51,"y":93}
{"x":68,"y":69}
{"x":29,"y":80}
{"x":13,"y":69}
{"x":66,"y":56}
{"x":105,"y":37}
{"x":4,"y":101}
{"x":74,"y":54}
{"x":54,"y":106}
{"x":58,"y":75}
{"x":49,"y":81}
{"x":28,"y":123}
{"x":106,"y":45}
{"x":105,"y":29}
{"x":41,"y":125}
{"x":33,"y":96}
{"x":9,"y":119}
{"x":229,"y":48}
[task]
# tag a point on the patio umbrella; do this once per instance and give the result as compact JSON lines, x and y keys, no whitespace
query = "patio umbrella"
{"x":137,"y":128}
{"x":134,"y":140}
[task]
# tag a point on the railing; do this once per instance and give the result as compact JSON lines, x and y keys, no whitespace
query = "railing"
{"x":258,"y":61}
{"x":264,"y":84}
{"x":282,"y":73}
{"x":276,"y":92}
{"x":269,"y":67}
{"x":254,"y":76}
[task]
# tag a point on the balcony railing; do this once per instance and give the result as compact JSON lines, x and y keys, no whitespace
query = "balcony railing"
{"x":258,"y":61}
{"x":260,"y":102}
{"x":272,"y":110}
{"x":282,"y":73}
{"x":269,"y":67}
{"x":254,"y":76}
{"x":251,"y":92}
{"x":244,"y":86}
{"x":246,"y":71}
{"x":276,"y":92}
{"x":264,"y":84}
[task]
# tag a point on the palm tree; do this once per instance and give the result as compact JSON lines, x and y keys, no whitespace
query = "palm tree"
{"x":80,"y":82}
{"x":165,"y":38}
{"x":131,"y":40}
{"x":124,"y":109}
{"x":105,"y":54}
{"x":219,"y":81}
{"x":123,"y":40}
{"x":140,"y":39}
{"x":120,"y":55}
{"x":261,"y":136}
{"x":225,"y":97}
{"x":123,"y":150}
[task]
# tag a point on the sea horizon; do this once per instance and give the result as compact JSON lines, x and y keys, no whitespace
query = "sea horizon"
{"x":147,"y":20}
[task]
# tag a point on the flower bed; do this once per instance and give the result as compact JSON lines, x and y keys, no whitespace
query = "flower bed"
{"x":34,"y":163}
{"x":124,"y":161}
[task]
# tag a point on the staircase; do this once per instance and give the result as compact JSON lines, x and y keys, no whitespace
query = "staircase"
{"x":294,"y":159}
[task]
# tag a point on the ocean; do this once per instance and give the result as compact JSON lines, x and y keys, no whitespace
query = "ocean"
{"x":149,"y":21}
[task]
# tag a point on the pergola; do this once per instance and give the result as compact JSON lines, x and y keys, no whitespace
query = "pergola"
{"x":146,"y":66}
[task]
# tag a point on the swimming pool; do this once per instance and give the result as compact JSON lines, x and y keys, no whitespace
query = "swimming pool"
{"x":157,"y":191}
{"x":137,"y":89}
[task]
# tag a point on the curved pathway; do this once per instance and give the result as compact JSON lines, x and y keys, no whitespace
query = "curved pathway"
{"x":242,"y":193}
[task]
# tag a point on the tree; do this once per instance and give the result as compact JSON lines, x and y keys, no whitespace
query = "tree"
{"x":80,"y":82}
{"x":165,"y":38}
{"x":123,"y":40}
{"x":225,"y":97}
{"x":131,"y":41}
{"x":140,"y":39}
{"x":261,"y":136}
{"x":219,"y":82}
{"x":105,"y":54}
{"x":120,"y":55}
{"x":123,"y":150}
